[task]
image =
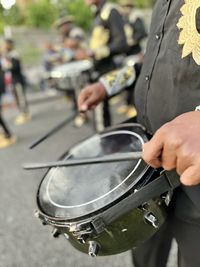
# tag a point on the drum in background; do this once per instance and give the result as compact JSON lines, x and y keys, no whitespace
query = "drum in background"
{"x":90,"y":205}
{"x":73,"y":75}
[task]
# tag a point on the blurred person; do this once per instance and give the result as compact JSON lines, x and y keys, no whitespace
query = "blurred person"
{"x":69,"y":48}
{"x":166,"y":95}
{"x":67,"y":29}
{"x":73,"y":43}
{"x":51,"y":56}
{"x":135,"y":33}
{"x":11,"y":65}
{"x":7,"y":138}
{"x":107,"y":40}
{"x":134,"y":28}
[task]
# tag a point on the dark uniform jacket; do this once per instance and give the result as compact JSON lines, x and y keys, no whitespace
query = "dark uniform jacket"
{"x":2,"y":85}
{"x":16,"y":70}
{"x":169,"y":83}
{"x":108,"y":36}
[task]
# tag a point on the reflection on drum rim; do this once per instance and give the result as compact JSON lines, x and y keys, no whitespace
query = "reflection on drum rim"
{"x":92,"y":201}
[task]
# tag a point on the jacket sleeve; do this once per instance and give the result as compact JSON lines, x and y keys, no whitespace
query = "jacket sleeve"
{"x":117,"y":80}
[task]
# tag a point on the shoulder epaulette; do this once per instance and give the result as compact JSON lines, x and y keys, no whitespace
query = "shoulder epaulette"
{"x":106,"y":10}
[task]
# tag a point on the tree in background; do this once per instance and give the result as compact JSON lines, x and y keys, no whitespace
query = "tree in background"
{"x":81,"y":13}
{"x":41,"y":14}
{"x":1,"y":19}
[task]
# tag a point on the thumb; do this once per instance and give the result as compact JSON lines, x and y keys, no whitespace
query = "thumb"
{"x":191,"y":176}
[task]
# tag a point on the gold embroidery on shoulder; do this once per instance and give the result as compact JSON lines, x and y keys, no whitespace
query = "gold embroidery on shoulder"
{"x":99,"y":38}
{"x":189,"y":36}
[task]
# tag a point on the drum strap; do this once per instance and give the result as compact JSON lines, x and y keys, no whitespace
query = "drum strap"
{"x":164,"y":183}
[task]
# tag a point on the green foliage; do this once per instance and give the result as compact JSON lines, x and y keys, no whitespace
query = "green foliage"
{"x":1,"y":26}
{"x":41,"y":14}
{"x":144,"y":3}
{"x":1,"y":19}
{"x":13,"y":16}
{"x":77,"y":8}
{"x":139,"y":3}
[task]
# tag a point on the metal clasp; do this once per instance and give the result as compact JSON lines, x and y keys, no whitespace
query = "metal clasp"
{"x":151,"y":219}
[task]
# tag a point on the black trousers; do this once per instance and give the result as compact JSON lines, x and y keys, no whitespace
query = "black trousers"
{"x":7,"y":132}
{"x":19,"y":91}
{"x":183,"y":224}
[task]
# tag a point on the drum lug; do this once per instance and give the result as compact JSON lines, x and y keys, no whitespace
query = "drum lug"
{"x":81,"y":231}
{"x":38,"y":215}
{"x":93,"y":249}
{"x":98,"y":225}
{"x":150,"y":218}
{"x":56,"y":233}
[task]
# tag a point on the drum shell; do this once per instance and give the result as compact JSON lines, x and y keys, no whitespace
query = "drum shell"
{"x":129,"y":231}
{"x":71,"y":76}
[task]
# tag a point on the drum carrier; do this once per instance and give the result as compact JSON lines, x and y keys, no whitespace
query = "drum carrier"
{"x":109,"y":208}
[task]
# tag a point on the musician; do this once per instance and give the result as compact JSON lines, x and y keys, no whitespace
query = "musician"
{"x":11,"y":65}
{"x":136,"y":35}
{"x":7,"y":138}
{"x":67,"y":29}
{"x":168,"y":87}
{"x":107,"y":40}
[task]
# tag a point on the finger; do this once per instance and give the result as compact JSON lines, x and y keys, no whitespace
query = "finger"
{"x":82,"y":100}
{"x":183,"y":162}
{"x":154,"y":160}
{"x":152,"y":150}
{"x":168,"y":157}
{"x":191,"y":176}
{"x":93,"y":106}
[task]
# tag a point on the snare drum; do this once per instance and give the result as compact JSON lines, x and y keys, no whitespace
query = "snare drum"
{"x":72,"y":75}
{"x":108,"y":208}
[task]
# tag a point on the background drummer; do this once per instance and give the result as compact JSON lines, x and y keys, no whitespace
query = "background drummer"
{"x":107,"y":40}
{"x":136,"y":34}
{"x":68,"y":29}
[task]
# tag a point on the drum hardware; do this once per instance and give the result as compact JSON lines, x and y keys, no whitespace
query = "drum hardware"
{"x":116,"y":157}
{"x":93,"y":249}
{"x":167,"y":198}
{"x":150,"y":218}
{"x":66,"y":236}
{"x":56,"y":233}
{"x":81,"y":231}
{"x":54,"y":130}
{"x":48,"y":221}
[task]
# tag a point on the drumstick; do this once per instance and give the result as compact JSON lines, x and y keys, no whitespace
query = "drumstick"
{"x":54,"y":130}
{"x":116,"y":157}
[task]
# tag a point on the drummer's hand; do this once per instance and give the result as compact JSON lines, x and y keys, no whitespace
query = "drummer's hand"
{"x":176,"y":145}
{"x":91,"y":96}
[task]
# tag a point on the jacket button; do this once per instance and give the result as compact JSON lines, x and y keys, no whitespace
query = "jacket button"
{"x":157,"y":36}
{"x":147,"y":78}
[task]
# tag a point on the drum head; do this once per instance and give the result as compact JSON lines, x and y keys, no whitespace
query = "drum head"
{"x":72,"y":193}
{"x":71,"y":68}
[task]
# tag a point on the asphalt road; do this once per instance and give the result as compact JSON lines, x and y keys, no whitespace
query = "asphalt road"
{"x":24,"y":241}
